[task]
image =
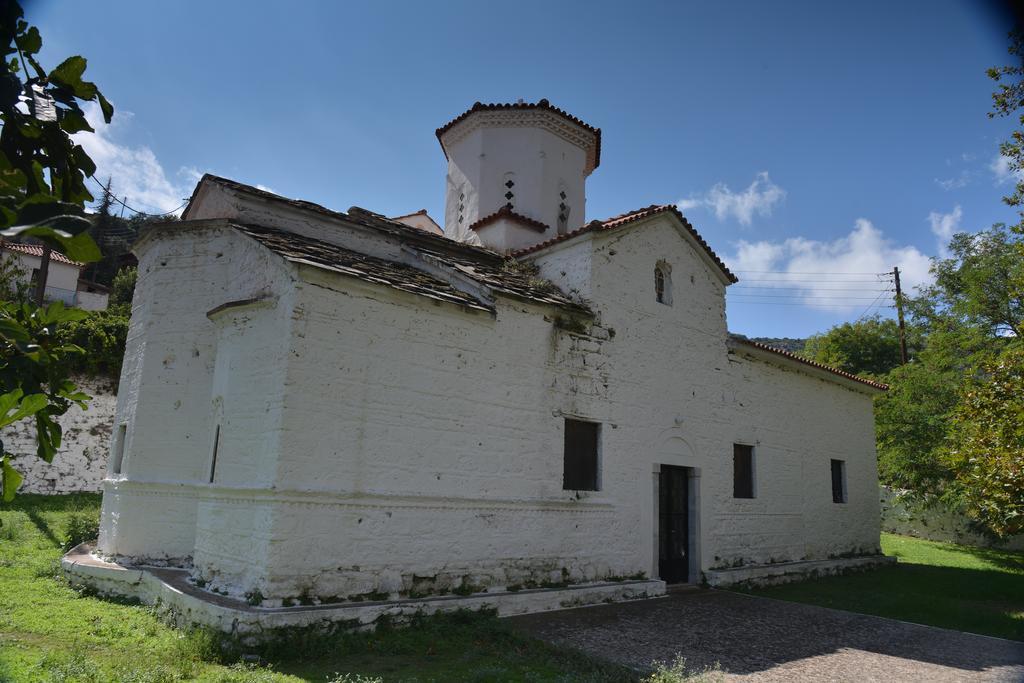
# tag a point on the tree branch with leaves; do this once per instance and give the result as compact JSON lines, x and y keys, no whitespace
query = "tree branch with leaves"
{"x":42,"y":197}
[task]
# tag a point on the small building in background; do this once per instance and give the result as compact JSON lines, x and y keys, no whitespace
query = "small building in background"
{"x":92,"y":296}
{"x":420,"y":220}
{"x":63,"y":277}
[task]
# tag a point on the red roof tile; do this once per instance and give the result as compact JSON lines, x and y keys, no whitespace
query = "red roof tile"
{"x":506,"y":212}
{"x":623,"y":219}
{"x":820,"y":366}
{"x":37,"y":250}
{"x":543,"y":105}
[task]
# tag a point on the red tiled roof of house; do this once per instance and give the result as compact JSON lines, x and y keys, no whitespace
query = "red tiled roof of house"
{"x":540,"y":104}
{"x":623,"y":219}
{"x":506,"y":212}
{"x":820,"y":366}
{"x":37,"y":250}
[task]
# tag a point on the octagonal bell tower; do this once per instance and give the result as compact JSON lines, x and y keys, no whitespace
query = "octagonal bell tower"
{"x":516,"y":173}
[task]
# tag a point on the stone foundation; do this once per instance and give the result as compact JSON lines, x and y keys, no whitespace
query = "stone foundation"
{"x":788,"y":572}
{"x":189,"y":605}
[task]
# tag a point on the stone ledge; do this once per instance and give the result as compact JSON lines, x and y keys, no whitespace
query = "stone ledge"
{"x":189,"y":605}
{"x":786,"y":572}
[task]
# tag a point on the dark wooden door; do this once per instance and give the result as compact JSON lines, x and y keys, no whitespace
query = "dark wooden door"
{"x":673,"y":525}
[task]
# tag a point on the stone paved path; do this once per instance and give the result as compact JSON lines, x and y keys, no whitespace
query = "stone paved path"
{"x":756,"y":639}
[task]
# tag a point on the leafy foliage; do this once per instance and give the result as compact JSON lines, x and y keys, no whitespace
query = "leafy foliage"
{"x":42,"y":196}
{"x":987,"y":445}
{"x":1006,"y":101}
{"x":911,"y":423}
{"x":42,"y":170}
{"x":123,"y":290}
{"x":866,"y":347}
{"x":34,"y":368}
{"x":101,"y":335}
{"x":981,"y":285}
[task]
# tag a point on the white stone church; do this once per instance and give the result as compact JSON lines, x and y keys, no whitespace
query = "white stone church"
{"x":334,"y":411}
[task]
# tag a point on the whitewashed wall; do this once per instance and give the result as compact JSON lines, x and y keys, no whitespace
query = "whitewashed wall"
{"x":375,"y":442}
{"x":81,"y":463}
{"x":166,"y":395}
{"x":539,"y":162}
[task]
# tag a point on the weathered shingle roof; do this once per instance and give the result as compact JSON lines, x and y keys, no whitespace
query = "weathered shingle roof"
{"x":488,"y":268}
{"x":623,"y":219}
{"x":299,"y":249}
{"x":792,"y":356}
{"x":37,"y":250}
{"x":510,"y":278}
{"x":355,"y":215}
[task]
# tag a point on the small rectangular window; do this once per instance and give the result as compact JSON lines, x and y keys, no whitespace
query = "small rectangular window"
{"x":742,"y":471}
{"x":838,"y":481}
{"x":580,"y":467}
{"x":118,"y":459}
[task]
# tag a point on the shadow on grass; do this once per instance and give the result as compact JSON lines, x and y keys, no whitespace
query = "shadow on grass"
{"x":34,"y":505}
{"x":43,"y":526}
{"x":1006,"y":559}
{"x":986,"y":602}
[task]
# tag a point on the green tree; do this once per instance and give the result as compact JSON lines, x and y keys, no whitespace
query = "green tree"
{"x":912,"y":423}
{"x":1007,"y":100}
{"x":980,"y":286}
{"x":866,"y":347}
{"x":986,"y":452}
{"x":123,"y":289}
{"x":42,"y":196}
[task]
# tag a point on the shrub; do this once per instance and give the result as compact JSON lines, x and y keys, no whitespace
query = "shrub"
{"x":81,"y":527}
{"x":676,"y":673}
{"x":102,"y":335}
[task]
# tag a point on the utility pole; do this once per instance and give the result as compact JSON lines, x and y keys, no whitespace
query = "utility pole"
{"x":899,"y":312}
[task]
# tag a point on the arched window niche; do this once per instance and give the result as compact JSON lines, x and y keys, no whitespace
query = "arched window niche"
{"x":663,"y":283}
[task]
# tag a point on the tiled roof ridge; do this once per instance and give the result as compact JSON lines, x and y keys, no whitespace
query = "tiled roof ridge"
{"x":507,"y":212}
{"x":542,"y":104}
{"x":37,"y":250}
{"x":629,"y":217}
{"x":821,"y":366}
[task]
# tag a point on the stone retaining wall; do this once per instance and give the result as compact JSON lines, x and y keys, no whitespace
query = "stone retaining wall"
{"x":905,"y":513}
{"x":81,"y":463}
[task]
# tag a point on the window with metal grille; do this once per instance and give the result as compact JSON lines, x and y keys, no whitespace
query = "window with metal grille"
{"x":580,"y":465}
{"x":742,"y":471}
{"x":838,"y":481}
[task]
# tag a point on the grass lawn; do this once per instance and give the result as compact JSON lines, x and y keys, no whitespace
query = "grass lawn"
{"x":958,"y":587}
{"x":49,"y":632}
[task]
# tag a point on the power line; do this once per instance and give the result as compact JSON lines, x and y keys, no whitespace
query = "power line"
{"x":798,"y":272}
{"x":798,"y":296}
{"x":817,"y":279}
{"x":796,"y":303}
{"x":113,"y":197}
{"x":817,"y":289}
{"x":861,"y":317}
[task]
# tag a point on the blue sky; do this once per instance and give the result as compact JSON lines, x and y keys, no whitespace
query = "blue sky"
{"x":798,"y":137}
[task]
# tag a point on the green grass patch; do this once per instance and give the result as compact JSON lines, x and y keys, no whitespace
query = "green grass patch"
{"x":978,"y":590}
{"x":50,"y":633}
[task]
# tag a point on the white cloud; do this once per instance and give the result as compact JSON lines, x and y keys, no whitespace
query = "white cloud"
{"x":1000,"y":167}
{"x":135,"y":171}
{"x":961,"y":180}
{"x":944,"y":225}
{"x":759,"y":198}
{"x":841,"y":275}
